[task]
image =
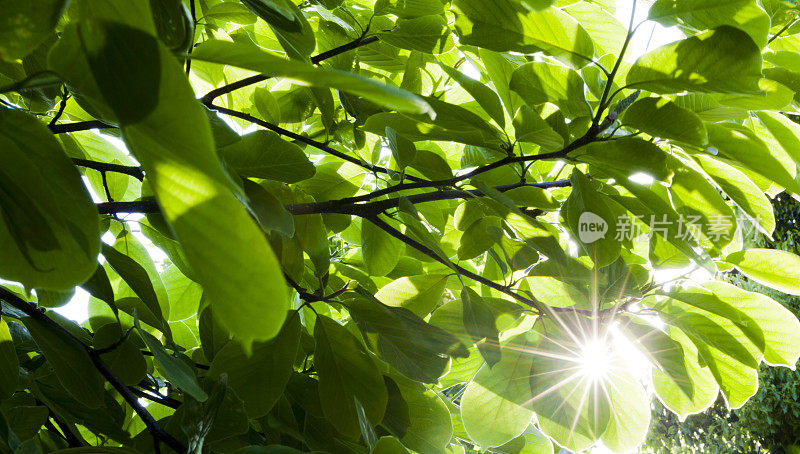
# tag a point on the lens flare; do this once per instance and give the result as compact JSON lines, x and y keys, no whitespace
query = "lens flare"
{"x":595,"y":359}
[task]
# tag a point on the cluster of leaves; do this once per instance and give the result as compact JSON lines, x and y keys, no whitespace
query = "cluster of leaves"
{"x":390,"y":260}
{"x":771,"y":418}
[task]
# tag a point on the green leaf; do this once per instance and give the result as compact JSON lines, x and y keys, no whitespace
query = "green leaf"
{"x":529,"y":126}
{"x":380,"y":251}
{"x":9,"y":364}
{"x":24,"y":25}
{"x":630,"y":410}
{"x":592,"y":219}
{"x":785,"y":132}
{"x":259,"y":378}
{"x":495,"y":406}
{"x":722,"y":60}
{"x":741,"y":145}
{"x":70,"y":361}
{"x":389,"y":445}
{"x":192,"y":190}
{"x":630,"y":155}
{"x":506,"y":25}
{"x":416,"y":130}
{"x":419,"y":294}
{"x":741,"y":190}
{"x":125,"y":358}
{"x":49,"y":228}
{"x":403,"y":150}
{"x":660,"y":117}
{"x":485,"y":96}
{"x":604,"y":29}
{"x":178,"y":372}
{"x":479,"y":322}
{"x":427,"y":34}
{"x":415,"y":348}
{"x":136,"y":277}
{"x":250,"y":57}
{"x":346,"y":372}
{"x":269,"y":211}
{"x":476,"y":239}
{"x":231,"y":12}
{"x":771,"y":267}
{"x":540,"y":82}
{"x":431,"y":429}
{"x":746,"y":15}
{"x":277,"y":13}
{"x":263,"y":154}
{"x":409,"y":8}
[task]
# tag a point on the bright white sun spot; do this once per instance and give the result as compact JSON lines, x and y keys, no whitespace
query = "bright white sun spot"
{"x":594,"y":359}
{"x":641,"y":178}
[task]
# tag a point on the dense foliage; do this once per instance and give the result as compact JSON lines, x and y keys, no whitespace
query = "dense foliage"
{"x":440,"y":232}
{"x":771,"y":418}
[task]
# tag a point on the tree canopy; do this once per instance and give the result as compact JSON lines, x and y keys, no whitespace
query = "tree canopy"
{"x":387,"y":226}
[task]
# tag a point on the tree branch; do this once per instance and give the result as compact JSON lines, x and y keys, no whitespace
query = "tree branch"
{"x":158,"y":433}
{"x":209,"y":97}
{"x":318,"y":145}
{"x":461,"y":270}
{"x":79,"y":126}
{"x":342,"y":206}
{"x":133,"y":171}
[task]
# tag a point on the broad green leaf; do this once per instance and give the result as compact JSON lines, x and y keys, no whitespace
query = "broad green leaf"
{"x":773,"y":96}
{"x":230,"y":12}
{"x":500,"y":70}
{"x":70,"y":361}
{"x":427,"y":34}
{"x":541,"y":82}
{"x":409,"y":8}
{"x":722,"y":60}
{"x":253,"y":58}
{"x":746,"y":15}
{"x":605,"y":30}
{"x":419,"y":294}
{"x":741,"y":190}
{"x":191,"y":188}
{"x":695,"y":198}
{"x":9,"y":364}
{"x":263,"y":154}
{"x":660,"y":117}
{"x":529,"y":126}
{"x":742,"y":146}
{"x":495,"y":406}
{"x":125,"y":358}
{"x":629,"y":406}
{"x":671,"y":383}
{"x":260,"y":377}
{"x":506,"y":25}
{"x":628,"y":155}
{"x":556,"y":293}
{"x":49,"y":228}
{"x":778,"y":324}
{"x":476,"y":239}
{"x":413,"y":347}
{"x":485,"y":96}
{"x":784,"y":131}
{"x":479,"y":322}
{"x":389,"y":445}
{"x":403,"y":150}
{"x":771,"y":267}
{"x":416,"y":130}
{"x":346,"y":371}
{"x":380,"y":251}
{"x":268,"y":210}
{"x":136,"y":277}
{"x":178,"y":372}
{"x":277,"y":13}
{"x":334,"y":180}
{"x":592,"y":219}
{"x":723,"y":347}
{"x":431,"y":429}
{"x":25,"y":25}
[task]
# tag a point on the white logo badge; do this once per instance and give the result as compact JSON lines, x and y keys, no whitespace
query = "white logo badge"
{"x":591,"y":227}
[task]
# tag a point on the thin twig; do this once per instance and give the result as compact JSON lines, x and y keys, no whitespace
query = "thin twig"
{"x":209,"y":97}
{"x":158,"y":433}
{"x":133,"y":171}
{"x":786,"y":27}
